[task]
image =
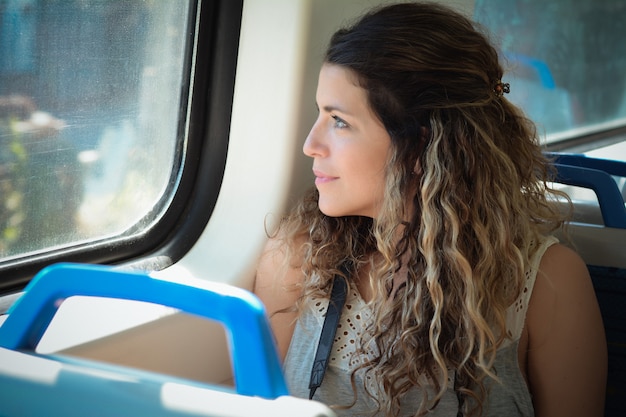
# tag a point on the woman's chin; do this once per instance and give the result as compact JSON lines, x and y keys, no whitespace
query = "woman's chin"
{"x":331,"y":210}
{"x":334,"y":211}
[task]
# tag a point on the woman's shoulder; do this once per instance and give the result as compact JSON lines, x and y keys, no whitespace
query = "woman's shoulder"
{"x":282,"y":256}
{"x":561,"y":285}
{"x":279,"y":264}
{"x":562,"y":270}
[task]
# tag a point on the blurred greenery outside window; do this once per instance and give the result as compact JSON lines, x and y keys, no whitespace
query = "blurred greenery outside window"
{"x":90,"y":103}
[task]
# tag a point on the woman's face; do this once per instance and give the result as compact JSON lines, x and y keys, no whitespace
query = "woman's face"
{"x":349,"y":146}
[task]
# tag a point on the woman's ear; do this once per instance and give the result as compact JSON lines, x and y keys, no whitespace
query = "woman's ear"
{"x":417,"y":168}
{"x":423,"y":143}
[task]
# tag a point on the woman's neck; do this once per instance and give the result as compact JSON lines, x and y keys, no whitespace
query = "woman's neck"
{"x":365,"y":286}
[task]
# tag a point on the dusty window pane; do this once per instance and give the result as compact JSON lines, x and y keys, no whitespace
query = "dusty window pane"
{"x":566,"y":58}
{"x":90,"y":103}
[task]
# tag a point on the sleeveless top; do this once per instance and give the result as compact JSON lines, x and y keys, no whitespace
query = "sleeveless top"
{"x":509,"y":397}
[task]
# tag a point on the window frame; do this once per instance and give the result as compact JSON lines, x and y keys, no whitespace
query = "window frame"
{"x":593,"y":138}
{"x":208,"y":89}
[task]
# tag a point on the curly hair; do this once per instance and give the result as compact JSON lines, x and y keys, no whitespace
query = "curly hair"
{"x":467,"y":220}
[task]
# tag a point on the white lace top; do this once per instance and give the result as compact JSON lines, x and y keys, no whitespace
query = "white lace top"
{"x":511,"y":398}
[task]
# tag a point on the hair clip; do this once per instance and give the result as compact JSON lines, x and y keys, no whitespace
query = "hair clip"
{"x":501,"y":88}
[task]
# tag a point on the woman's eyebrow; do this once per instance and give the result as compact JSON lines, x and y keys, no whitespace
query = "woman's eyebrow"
{"x":333,"y":108}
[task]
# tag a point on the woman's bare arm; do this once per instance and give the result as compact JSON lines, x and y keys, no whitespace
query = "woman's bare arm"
{"x":567,"y":354}
{"x":276,"y":284}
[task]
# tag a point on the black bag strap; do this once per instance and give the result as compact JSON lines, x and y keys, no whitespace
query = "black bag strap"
{"x":329,"y":328}
{"x":459,"y":396}
{"x":337,"y":300}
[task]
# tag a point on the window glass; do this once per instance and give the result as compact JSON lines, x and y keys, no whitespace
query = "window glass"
{"x":566,"y":60}
{"x":90,"y":110}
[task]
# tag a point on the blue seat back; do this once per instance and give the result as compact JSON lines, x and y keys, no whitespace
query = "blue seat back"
{"x":256,"y":367}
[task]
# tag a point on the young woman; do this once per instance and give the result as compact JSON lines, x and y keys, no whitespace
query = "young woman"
{"x":432,"y":202}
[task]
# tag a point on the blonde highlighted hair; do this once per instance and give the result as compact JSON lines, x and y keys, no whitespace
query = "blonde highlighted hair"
{"x":467,"y":194}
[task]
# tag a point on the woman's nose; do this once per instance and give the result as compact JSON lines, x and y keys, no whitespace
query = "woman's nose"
{"x":313,"y":145}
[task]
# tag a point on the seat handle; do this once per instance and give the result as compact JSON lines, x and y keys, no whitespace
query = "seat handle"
{"x":256,"y":366}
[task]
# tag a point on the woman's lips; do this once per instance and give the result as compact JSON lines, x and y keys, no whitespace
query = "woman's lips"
{"x":322,"y":178}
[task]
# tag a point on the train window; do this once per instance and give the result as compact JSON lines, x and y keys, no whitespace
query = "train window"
{"x":91,"y":110}
{"x":566,"y":60}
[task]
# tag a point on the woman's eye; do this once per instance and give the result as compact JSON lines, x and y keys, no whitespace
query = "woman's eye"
{"x":339,"y":122}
